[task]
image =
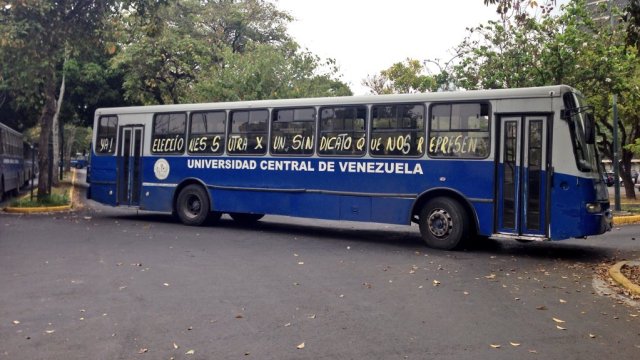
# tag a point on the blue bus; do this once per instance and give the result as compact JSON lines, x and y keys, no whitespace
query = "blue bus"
{"x":12,"y":168}
{"x":511,"y":164}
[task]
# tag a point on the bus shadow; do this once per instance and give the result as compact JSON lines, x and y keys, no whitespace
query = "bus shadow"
{"x":396,"y":237}
{"x":379,"y":235}
{"x":544,"y":250}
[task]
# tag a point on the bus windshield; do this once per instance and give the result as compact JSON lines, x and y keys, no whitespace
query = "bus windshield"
{"x":586,"y":154}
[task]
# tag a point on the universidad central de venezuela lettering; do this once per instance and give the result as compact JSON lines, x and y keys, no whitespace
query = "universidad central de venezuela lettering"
{"x":369,"y":167}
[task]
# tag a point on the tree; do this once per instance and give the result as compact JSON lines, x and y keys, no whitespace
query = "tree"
{"x":571,"y":48}
{"x":36,"y":37}
{"x":409,"y":76}
{"x":267,"y":72}
{"x":216,"y":51}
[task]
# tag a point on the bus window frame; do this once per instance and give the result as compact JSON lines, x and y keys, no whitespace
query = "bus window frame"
{"x":229,"y":129}
{"x":370,"y":130}
{"x":314,"y":131}
{"x":225,"y":132}
{"x":115,"y":136}
{"x":451,"y":130}
{"x":184,"y":133}
{"x":367,"y":109}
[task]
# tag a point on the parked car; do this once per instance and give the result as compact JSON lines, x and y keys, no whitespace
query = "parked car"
{"x":79,"y":162}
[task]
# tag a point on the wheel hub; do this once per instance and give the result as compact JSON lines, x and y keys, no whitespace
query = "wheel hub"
{"x":440,"y":223}
{"x":194,"y":205}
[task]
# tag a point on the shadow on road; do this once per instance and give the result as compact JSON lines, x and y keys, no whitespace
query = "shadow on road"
{"x":397,"y":236}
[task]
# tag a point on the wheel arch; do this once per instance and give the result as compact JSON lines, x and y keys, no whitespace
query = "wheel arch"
{"x":185,"y":183}
{"x":423,"y":198}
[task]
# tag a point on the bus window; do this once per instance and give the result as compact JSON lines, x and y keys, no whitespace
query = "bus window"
{"x":292,"y":131}
{"x":343,"y":130}
{"x":168,"y":133}
{"x":106,"y":137}
{"x":207,"y":133}
{"x":397,"y":130}
{"x":459,"y":131}
{"x":248,"y":132}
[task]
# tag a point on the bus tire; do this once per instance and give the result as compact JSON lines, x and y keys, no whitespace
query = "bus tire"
{"x":444,"y":224}
{"x":244,"y":218}
{"x":192,"y":205}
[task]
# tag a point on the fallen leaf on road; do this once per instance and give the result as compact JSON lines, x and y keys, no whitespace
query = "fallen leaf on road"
{"x":514,"y":343}
{"x":166,"y":284}
{"x":592,"y":336}
{"x":492,"y":276}
{"x":175,"y":346}
{"x":50,"y":331}
{"x":287,"y":324}
{"x":190,"y":352}
{"x":560,"y":327}
{"x":301,"y":346}
{"x":542,"y":308}
{"x":312,"y":316}
{"x":16,"y":322}
{"x":436,"y":282}
{"x":300,"y":262}
{"x":143,"y":350}
{"x":495,"y":346}
{"x":558,"y":320}
{"x":563,"y":301}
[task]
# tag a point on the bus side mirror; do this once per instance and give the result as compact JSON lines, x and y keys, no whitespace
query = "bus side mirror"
{"x":590,"y":128}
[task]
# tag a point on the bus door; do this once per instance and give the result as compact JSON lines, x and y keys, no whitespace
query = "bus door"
{"x":521,"y":195}
{"x":130,"y":165}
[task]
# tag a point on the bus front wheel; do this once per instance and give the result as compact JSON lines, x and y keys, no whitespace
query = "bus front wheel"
{"x":444,"y":224}
{"x":192,"y":205}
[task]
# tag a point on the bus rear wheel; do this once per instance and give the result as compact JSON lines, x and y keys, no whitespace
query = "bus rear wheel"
{"x":444,"y":224}
{"x":192,"y":205}
{"x":244,"y":218}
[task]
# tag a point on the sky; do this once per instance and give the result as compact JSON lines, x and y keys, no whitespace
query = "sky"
{"x":365,"y":37}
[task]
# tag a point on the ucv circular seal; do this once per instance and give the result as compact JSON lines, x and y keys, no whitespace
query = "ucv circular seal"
{"x":161,"y":169}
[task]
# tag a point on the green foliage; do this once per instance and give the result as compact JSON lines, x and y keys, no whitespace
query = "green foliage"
{"x":266,"y":72}
{"x":216,"y":51}
{"x":405,"y":77}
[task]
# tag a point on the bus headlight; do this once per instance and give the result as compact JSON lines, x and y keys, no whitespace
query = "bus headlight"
{"x":594,"y":208}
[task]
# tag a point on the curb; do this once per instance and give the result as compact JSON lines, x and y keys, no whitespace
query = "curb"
{"x":47,"y":209}
{"x":621,"y":220}
{"x":618,"y":277}
{"x":44,"y":209}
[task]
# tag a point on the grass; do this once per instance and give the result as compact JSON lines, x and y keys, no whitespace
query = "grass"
{"x":628,"y":205}
{"x":59,"y":197}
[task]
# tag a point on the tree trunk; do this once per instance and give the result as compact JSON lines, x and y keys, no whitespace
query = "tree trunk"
{"x":57,"y":133}
{"x":70,"y":133}
{"x":625,"y":174}
{"x":46,"y":123}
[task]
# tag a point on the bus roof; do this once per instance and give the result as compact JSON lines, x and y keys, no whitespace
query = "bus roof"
{"x":10,"y":129}
{"x":515,"y":93}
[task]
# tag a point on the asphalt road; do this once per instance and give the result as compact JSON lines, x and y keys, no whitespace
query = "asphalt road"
{"x":105,"y":283}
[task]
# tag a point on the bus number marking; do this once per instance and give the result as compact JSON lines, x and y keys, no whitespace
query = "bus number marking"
{"x":105,"y":145}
